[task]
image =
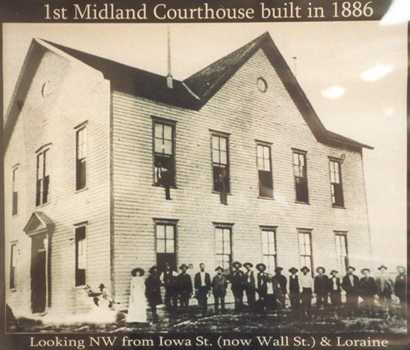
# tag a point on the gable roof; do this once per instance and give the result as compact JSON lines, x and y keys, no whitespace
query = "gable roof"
{"x":195,"y":91}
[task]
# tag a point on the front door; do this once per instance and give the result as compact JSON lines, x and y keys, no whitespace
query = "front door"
{"x":166,"y":258}
{"x":38,"y":273}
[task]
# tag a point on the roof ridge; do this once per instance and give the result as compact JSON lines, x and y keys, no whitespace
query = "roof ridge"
{"x":108,"y":60}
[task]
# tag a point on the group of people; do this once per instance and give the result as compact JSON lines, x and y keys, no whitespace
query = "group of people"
{"x":264,"y":291}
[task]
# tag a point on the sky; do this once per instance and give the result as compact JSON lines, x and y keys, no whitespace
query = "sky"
{"x":354,"y":74}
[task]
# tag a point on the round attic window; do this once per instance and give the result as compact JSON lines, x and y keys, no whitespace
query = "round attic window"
{"x":47,"y":88}
{"x":261,"y":84}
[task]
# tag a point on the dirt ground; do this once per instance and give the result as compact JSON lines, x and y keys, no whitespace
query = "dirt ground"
{"x":192,"y":320}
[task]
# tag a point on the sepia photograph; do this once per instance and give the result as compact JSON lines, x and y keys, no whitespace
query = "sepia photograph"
{"x":214,"y":177}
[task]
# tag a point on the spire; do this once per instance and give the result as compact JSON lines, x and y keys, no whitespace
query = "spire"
{"x":170,"y":80}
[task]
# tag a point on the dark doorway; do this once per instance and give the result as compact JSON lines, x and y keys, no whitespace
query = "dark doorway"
{"x":163,"y":258}
{"x":38,"y":274}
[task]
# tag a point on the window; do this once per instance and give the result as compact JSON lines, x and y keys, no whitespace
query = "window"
{"x":43,"y":178}
{"x":14,"y":201}
{"x":264,"y":163}
{"x":223,"y":246}
{"x":300,"y":174}
{"x":80,"y":255}
{"x":269,"y":248}
{"x":305,"y":249}
{"x":341,"y":251}
{"x":220,"y":163}
{"x":13,"y":264}
{"x":165,"y":236}
{"x":336,"y":188}
{"x":81,"y":158}
{"x":164,"y":153}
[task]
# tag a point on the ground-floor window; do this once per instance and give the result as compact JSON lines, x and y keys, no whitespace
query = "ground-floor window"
{"x":341,"y":251}
{"x":165,"y":243}
{"x":223,"y":245}
{"x":305,"y":249}
{"x":269,"y":247}
{"x":13,"y":264}
{"x":80,"y":255}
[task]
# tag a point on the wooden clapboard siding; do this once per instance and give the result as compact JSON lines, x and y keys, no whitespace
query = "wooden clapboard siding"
{"x":80,"y":95}
{"x":247,"y":114}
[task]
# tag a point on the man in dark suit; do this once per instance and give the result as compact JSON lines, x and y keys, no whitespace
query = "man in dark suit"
{"x":237,"y":284}
{"x":321,"y":287}
{"x":335,"y":290}
{"x":202,"y":284}
{"x":249,"y":284}
{"x":261,"y":286}
{"x":184,"y":286}
{"x":294,"y":290}
{"x":168,"y":279}
{"x":368,"y":290}
{"x":400,"y":284}
{"x":279,"y":288}
{"x":350,"y":284}
{"x":219,"y":284}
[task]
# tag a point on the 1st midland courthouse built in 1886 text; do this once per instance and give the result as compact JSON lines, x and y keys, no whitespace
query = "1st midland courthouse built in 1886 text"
{"x":109,"y":167}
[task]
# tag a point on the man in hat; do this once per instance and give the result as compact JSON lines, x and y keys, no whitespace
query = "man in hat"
{"x":168,"y":280}
{"x":249,"y":284}
{"x":400,"y":284}
{"x":294,"y":290}
{"x":261,"y":286}
{"x":153,"y":291}
{"x":335,"y":290}
{"x":219,"y":285}
{"x":321,"y":287}
{"x":306,"y":286}
{"x":384,"y":289}
{"x":237,"y":284}
{"x":279,"y":287}
{"x":202,"y":284}
{"x":350,"y":284}
{"x":184,"y":286}
{"x":368,"y":290}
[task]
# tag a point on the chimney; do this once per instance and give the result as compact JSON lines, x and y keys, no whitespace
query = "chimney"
{"x":170,"y":80}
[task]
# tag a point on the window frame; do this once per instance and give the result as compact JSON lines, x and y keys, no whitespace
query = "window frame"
{"x":43,"y":153}
{"x":83,"y":127}
{"x":229,"y":227}
{"x":13,"y":267}
{"x":166,"y":222}
{"x":332,"y":195}
{"x":273,"y":229}
{"x":268,"y":145}
{"x":83,"y":225}
{"x":226,"y":136}
{"x":14,"y":196}
{"x":300,"y":152}
{"x":343,"y":234}
{"x":306,"y":232}
{"x":172,"y":124}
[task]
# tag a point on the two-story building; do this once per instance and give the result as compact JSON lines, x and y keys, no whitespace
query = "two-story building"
{"x":109,"y":167}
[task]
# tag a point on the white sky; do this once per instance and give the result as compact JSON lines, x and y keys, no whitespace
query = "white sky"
{"x":353,"y":73}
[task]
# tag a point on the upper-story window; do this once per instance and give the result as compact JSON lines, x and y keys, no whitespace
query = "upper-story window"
{"x":220,"y":162}
{"x":81,"y":158}
{"x":264,"y":163}
{"x":336,"y":187}
{"x":43,"y":178}
{"x":300,"y":175}
{"x":164,"y":153}
{"x":14,"y":200}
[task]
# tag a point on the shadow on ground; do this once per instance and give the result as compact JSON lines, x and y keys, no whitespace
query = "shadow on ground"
{"x":233,"y":322}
